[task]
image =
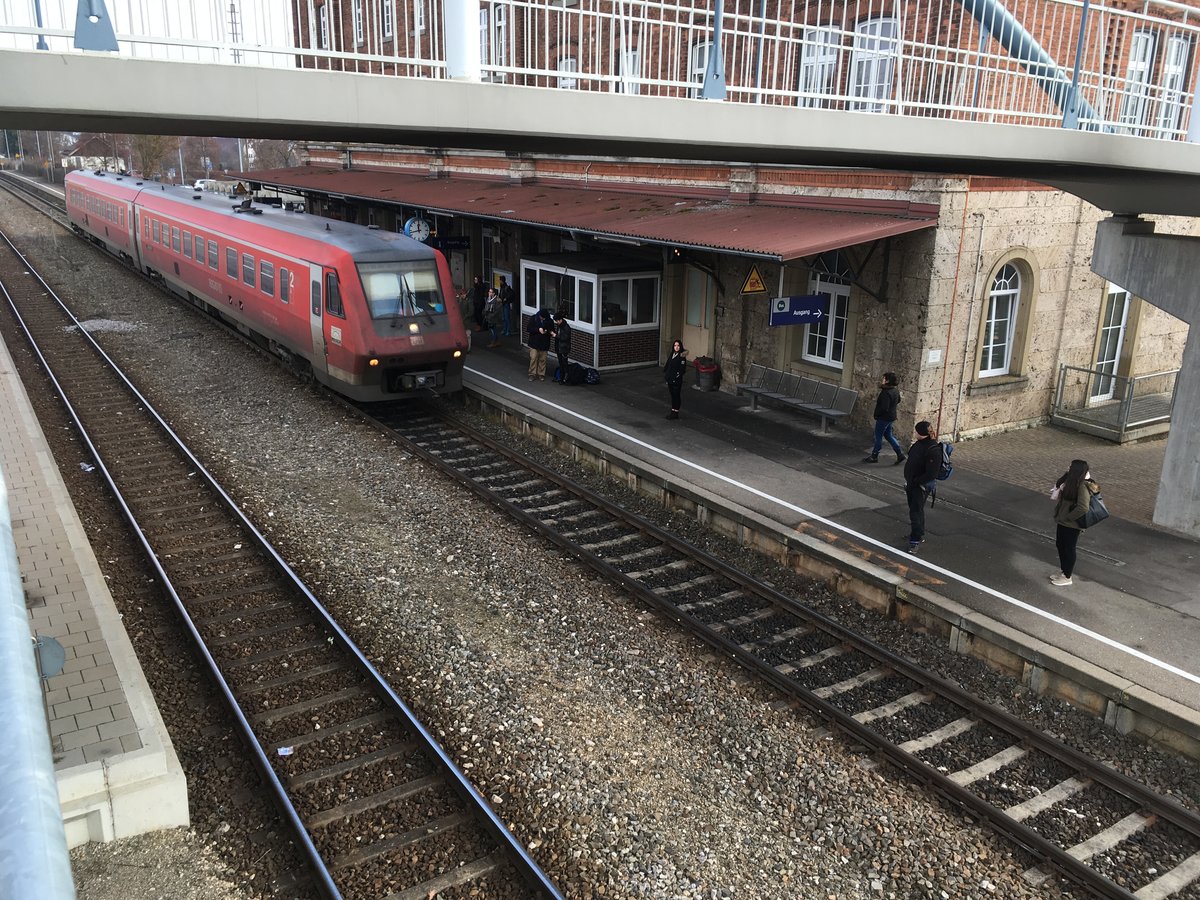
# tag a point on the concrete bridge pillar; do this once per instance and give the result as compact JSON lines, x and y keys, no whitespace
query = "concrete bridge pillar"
{"x":1164,"y":269}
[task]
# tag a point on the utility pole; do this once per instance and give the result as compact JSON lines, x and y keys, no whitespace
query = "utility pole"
{"x":182,"y":175}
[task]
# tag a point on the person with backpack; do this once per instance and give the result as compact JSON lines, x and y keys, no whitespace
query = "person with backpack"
{"x":562,"y":345}
{"x":1072,"y":494}
{"x":885,"y":418}
{"x":921,"y":471}
{"x":508,"y":301}
{"x":673,"y":371}
{"x":491,"y":316}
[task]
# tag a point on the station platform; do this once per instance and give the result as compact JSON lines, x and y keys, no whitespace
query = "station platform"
{"x":116,"y":769}
{"x":1123,"y":641}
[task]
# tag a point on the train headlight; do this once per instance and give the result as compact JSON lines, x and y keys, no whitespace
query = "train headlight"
{"x":413,"y":327}
{"x":372,"y":362}
{"x":457,"y":354}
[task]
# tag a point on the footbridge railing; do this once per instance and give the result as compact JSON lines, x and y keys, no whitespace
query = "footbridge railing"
{"x":1126,"y":68}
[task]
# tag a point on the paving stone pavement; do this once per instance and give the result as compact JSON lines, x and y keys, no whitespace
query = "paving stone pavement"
{"x":1035,"y":457}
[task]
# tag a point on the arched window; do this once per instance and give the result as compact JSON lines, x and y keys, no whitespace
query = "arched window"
{"x":1004,"y":302}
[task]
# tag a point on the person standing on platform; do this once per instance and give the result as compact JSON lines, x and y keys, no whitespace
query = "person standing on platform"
{"x":1072,"y":494}
{"x":540,"y":327}
{"x":491,"y":316}
{"x":508,"y":300}
{"x":562,"y":345}
{"x":920,"y":472}
{"x":673,"y":372}
{"x":885,"y":418}
{"x":479,"y":292}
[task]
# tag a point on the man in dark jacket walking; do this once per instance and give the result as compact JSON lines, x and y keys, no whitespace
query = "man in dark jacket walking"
{"x":885,"y":417}
{"x":920,"y":474}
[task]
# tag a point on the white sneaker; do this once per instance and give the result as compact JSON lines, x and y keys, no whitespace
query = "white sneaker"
{"x":1060,"y":579}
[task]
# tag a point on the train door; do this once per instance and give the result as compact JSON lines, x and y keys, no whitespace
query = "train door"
{"x":315,"y":319}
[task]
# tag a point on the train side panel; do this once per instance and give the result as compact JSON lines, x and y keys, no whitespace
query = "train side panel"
{"x":103,"y":210}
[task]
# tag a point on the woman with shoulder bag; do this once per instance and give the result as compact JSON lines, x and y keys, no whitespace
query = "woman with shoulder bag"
{"x":1072,"y":494}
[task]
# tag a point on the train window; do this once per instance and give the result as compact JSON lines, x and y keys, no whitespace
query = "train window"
{"x":284,"y":286}
{"x":175,"y":239}
{"x":231,"y":262}
{"x":146,"y":227}
{"x":266,"y":277}
{"x":400,"y":288}
{"x":333,"y":296}
{"x":157,"y":239}
{"x":248,"y":269}
{"x":187,"y":244}
{"x":213,"y":259}
{"x":200,"y":248}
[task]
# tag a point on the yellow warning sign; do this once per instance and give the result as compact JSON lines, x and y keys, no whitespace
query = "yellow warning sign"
{"x":753,"y":283}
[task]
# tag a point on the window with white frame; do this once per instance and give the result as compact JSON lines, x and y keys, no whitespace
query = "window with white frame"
{"x":1135,"y":99}
{"x":493,"y":37}
{"x":418,"y":15}
{"x":358,"y":21}
{"x":697,"y":64}
{"x":631,"y":73}
{"x":825,"y":341}
{"x":873,"y":64}
{"x":819,"y":51}
{"x":1109,"y":342}
{"x":999,"y":329}
{"x":323,"y":27}
{"x":386,"y":19}
{"x":567,"y":67}
{"x":1173,"y":80}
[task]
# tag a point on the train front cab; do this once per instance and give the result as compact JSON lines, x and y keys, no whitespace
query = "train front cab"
{"x":376,"y":360}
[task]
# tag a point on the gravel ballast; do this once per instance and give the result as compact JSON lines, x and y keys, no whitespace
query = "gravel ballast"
{"x":630,"y":759}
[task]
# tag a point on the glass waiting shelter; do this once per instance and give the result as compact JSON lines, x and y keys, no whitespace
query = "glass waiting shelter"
{"x":610,"y":301}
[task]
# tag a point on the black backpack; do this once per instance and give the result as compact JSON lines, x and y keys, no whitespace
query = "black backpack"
{"x":576,"y":374}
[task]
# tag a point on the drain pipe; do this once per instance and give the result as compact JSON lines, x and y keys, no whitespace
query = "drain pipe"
{"x":1014,"y":38}
{"x":962,"y":372}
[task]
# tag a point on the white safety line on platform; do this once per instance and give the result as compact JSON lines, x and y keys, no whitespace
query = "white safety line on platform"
{"x":962,"y":579}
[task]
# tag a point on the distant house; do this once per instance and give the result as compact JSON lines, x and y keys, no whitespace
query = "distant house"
{"x":93,"y":153}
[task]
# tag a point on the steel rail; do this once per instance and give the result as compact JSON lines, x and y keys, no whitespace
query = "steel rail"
{"x":1045,"y":850}
{"x":530,"y":870}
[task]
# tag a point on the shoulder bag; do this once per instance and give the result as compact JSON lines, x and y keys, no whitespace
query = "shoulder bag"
{"x":1096,"y":512}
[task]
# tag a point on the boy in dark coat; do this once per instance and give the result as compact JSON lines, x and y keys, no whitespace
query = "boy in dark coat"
{"x":885,"y":418}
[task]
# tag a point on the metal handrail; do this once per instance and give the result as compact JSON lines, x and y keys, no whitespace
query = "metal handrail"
{"x":1125,"y":397}
{"x":1014,"y":64}
{"x":34,"y":861}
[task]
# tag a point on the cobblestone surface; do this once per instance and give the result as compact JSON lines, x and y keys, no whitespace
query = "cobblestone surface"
{"x":1128,"y":474}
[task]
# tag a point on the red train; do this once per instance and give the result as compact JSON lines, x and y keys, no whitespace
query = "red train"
{"x":369,"y":313}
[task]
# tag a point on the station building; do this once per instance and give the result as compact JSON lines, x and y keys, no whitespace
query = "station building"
{"x":975,"y":291}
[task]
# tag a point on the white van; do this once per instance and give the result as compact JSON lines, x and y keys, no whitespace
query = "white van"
{"x":204,"y":184}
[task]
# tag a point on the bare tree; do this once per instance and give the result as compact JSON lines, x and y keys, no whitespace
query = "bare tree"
{"x":270,"y":154}
{"x":154,"y":152}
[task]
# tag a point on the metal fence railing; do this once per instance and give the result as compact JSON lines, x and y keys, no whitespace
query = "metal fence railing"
{"x":1109,"y":405}
{"x":33,"y":861}
{"x":1128,"y":68}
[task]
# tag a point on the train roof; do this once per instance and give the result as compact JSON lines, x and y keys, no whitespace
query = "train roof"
{"x":362,"y":242}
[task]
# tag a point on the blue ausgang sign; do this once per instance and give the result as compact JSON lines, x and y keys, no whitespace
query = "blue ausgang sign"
{"x":799,"y":310}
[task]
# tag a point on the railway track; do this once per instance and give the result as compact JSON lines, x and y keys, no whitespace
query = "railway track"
{"x":1097,"y":827}
{"x":38,"y":196}
{"x":1074,"y":815}
{"x":379,"y":809}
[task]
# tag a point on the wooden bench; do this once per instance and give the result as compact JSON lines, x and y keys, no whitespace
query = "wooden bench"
{"x":801,"y":393}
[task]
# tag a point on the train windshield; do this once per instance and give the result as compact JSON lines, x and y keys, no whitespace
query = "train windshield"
{"x":400,"y":289}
